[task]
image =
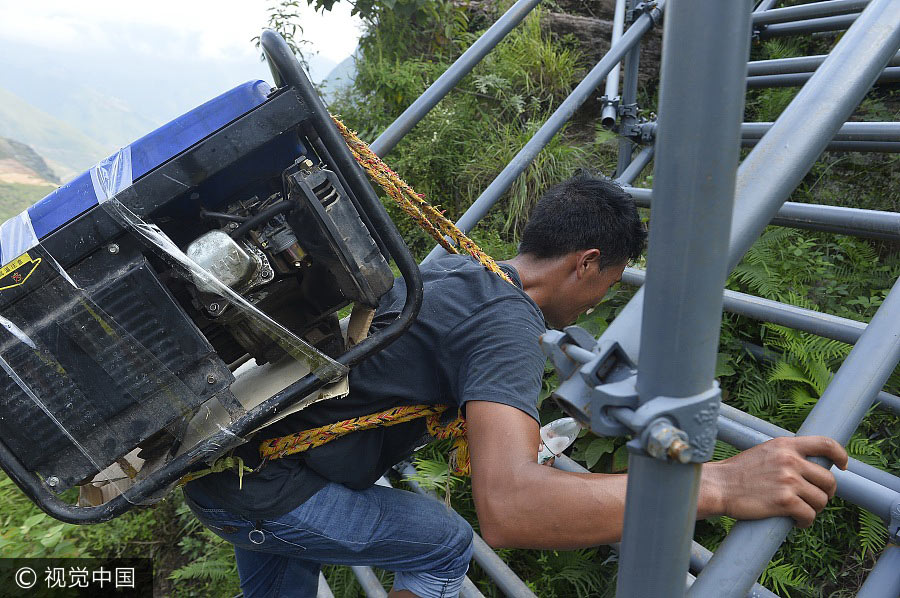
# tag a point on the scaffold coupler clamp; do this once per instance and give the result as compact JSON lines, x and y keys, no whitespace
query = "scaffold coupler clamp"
{"x":599,"y":389}
{"x":605,"y":101}
{"x":628,"y":121}
{"x":642,"y":8}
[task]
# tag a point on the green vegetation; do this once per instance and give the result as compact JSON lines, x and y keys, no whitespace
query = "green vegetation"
{"x":450,"y":157}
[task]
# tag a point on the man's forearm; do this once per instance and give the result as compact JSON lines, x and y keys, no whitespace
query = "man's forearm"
{"x":563,"y":510}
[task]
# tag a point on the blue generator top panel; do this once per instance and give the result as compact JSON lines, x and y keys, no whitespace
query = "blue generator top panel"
{"x":148,"y":152}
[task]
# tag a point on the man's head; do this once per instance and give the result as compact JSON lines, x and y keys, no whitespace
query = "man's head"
{"x":579,"y":237}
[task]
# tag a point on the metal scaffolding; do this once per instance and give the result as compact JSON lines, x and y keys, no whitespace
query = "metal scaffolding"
{"x":655,"y":382}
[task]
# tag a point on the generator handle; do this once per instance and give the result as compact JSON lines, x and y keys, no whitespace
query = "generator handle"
{"x":286,"y":71}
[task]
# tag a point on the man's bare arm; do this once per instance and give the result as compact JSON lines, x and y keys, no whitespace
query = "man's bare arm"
{"x":523,"y":504}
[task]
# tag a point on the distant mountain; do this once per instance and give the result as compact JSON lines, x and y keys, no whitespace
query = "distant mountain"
{"x":340,"y":77}
{"x":68,"y":150}
{"x":24,"y":177}
{"x":21,"y":164}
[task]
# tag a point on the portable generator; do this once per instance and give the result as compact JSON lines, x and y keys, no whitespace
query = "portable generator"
{"x":129,"y":295}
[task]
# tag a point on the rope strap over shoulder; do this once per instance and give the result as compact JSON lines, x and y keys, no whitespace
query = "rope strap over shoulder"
{"x":414,"y":203}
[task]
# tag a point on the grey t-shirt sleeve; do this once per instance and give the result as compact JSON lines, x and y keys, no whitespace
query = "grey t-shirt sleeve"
{"x":499,"y":355}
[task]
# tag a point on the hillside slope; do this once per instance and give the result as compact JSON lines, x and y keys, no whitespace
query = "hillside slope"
{"x":57,"y":141}
{"x":25,"y":177}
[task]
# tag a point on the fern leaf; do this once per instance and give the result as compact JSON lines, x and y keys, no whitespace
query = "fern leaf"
{"x":872,"y":533}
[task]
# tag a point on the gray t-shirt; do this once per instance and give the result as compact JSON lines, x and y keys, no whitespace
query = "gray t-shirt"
{"x":475,"y":339}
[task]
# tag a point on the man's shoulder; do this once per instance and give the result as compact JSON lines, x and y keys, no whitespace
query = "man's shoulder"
{"x":455,"y":276}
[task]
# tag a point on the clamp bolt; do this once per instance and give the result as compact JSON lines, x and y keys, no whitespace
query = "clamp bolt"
{"x":113,"y":248}
{"x":53,"y":481}
{"x":211,"y":379}
{"x":680,"y":451}
{"x":665,"y":440}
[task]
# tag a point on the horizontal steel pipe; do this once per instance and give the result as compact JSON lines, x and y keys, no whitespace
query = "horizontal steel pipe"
{"x":851,"y":487}
{"x":865,"y":470}
{"x":872,"y":147}
{"x":766,"y":310}
{"x":549,"y":129}
{"x":799,"y":64}
{"x":851,"y":131}
{"x":873,"y":224}
{"x":888,"y":401}
{"x":884,"y":400}
{"x":808,"y":11}
{"x":808,"y":26}
{"x":888,"y":75}
{"x":448,"y":80}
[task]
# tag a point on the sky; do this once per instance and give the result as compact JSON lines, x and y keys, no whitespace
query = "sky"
{"x":160,"y":58}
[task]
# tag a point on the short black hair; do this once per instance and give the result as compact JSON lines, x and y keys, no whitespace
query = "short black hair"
{"x":585,"y":212}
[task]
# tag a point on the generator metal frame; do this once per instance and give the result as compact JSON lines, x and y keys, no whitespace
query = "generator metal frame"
{"x":277,"y":116}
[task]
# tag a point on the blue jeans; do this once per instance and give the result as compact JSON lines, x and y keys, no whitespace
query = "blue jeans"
{"x":426,"y":544}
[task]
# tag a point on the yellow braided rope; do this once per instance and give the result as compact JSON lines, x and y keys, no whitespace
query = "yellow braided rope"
{"x":414,"y":203}
{"x":275,"y":448}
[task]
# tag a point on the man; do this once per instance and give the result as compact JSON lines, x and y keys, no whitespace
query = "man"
{"x":474,"y":346}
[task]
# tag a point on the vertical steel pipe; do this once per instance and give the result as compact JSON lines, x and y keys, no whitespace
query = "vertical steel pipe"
{"x":705,"y":49}
{"x":750,"y":544}
{"x":628,"y":103}
{"x":549,"y":129}
{"x":611,"y":92}
{"x":447,"y":81}
{"x":884,"y":580}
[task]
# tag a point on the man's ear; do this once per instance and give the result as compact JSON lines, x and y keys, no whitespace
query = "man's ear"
{"x":585,"y":260}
